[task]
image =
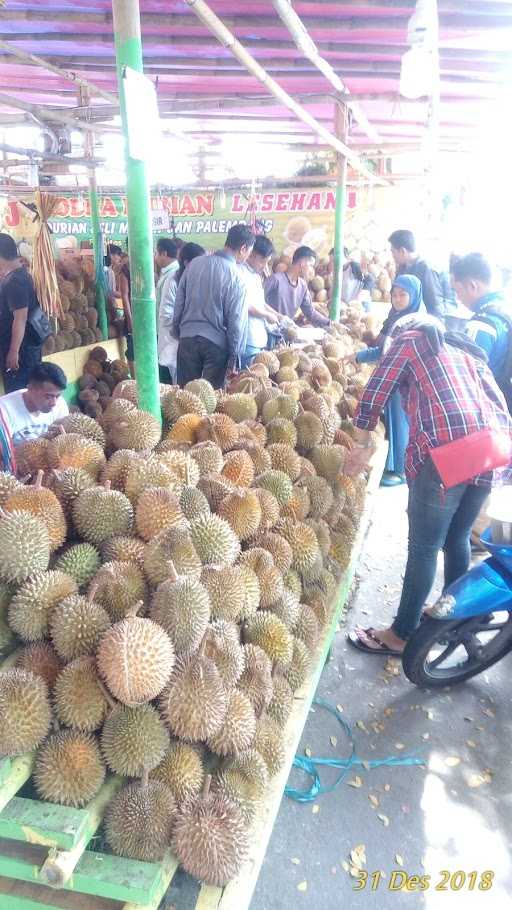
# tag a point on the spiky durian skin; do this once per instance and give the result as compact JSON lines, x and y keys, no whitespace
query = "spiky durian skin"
{"x":210,"y":839}
{"x":194,"y":705}
{"x":42,"y":660}
{"x":24,"y":547}
{"x":81,"y":561}
{"x":139,"y":821}
{"x":256,"y":680}
{"x":123,"y":549}
{"x":78,"y":697}
{"x":31,"y":607}
{"x":242,"y":510}
{"x":243,"y":781}
{"x":297,"y":671}
{"x":270,"y":633}
{"x":193,"y":503}
{"x":24,"y":711}
{"x":279,"y":549}
{"x":223,"y":647}
{"x":84,"y":426}
{"x":69,"y":769}
{"x":133,"y":740}
{"x":268,"y":741}
{"x":178,"y":402}
{"x":76,"y":627}
{"x":8,"y":483}
{"x":306,"y":627}
{"x":68,"y":484}
{"x":239,"y":407}
{"x":136,"y":430}
{"x":182,"y":608}
{"x":135,"y":658}
{"x":215,"y":541}
{"x":205,"y":391}
{"x":238,"y":468}
{"x":117,"y":587}
{"x":280,"y":707}
{"x":303,"y":542}
{"x":42,"y":504}
{"x":74,"y":451}
{"x":173,"y":545}
{"x":270,"y":511}
{"x":278,"y":483}
{"x":99,"y":514}
{"x":237,"y":731}
{"x":208,"y":456}
{"x":283,"y":431}
{"x":220,"y":580}
{"x":182,"y":770}
{"x":157,"y":509}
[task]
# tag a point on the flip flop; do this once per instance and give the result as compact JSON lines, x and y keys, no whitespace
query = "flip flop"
{"x":354,"y":640}
{"x":392,"y":480}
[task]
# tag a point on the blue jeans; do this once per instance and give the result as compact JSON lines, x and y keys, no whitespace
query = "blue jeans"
{"x":437,"y":520}
{"x":397,"y":433}
{"x":248,"y":355}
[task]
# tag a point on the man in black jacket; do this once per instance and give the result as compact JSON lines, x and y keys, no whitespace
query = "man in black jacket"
{"x":20,"y":348}
{"x":403,"y":250}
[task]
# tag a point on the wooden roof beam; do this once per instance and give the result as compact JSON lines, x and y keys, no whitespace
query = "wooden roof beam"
{"x":51,"y":67}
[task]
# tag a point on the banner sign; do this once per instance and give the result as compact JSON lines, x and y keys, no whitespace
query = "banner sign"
{"x":290,"y":217}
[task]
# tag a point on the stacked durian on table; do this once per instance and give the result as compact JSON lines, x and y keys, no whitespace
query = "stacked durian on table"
{"x":163,"y":594}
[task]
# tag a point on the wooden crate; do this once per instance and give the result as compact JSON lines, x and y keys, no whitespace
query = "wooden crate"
{"x":44,"y":861}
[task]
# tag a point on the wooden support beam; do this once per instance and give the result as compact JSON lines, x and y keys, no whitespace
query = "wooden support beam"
{"x":41,"y":114}
{"x":65,"y":74}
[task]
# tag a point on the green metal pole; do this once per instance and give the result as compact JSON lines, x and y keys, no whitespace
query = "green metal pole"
{"x":340,"y":123}
{"x":129,"y":53}
{"x":101,"y":303}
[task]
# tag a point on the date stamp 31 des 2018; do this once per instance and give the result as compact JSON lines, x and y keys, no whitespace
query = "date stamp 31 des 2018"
{"x":445,"y":880}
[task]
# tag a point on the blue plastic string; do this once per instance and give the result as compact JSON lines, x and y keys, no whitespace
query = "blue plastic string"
{"x":310,"y":765}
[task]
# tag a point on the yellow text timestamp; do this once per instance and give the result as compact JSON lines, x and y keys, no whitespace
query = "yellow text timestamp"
{"x":445,"y":880}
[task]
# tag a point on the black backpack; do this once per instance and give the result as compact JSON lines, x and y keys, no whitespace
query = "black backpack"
{"x":504,"y":380}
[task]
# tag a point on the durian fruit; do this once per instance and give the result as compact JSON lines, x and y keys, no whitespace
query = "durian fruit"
{"x":181,"y":605}
{"x":100,"y":513}
{"x":205,"y":391}
{"x":76,"y":626}
{"x":328,"y":461}
{"x":181,"y":464}
{"x":208,"y":456}
{"x":32,"y":605}
{"x":123,"y":549}
{"x":244,"y":781}
{"x":270,"y":511}
{"x":281,"y":704}
{"x":258,"y":433}
{"x":220,"y":429}
{"x":307,"y":469}
{"x":73,"y":451}
{"x":269,"y":577}
{"x":324,"y":585}
{"x":268,"y":741}
{"x":214,"y":540}
{"x":150,"y":473}
{"x":79,"y":697}
{"x":8,"y":484}
{"x":157,"y":509}
{"x":180,"y":401}
{"x":81,"y":561}
{"x":210,"y":838}
{"x":69,"y":769}
{"x":118,"y":466}
{"x":215,"y":488}
{"x":258,"y":455}
{"x":237,"y":731}
{"x":298,"y":506}
{"x":279,"y":549}
{"x":182,"y":770}
{"x":173,"y":546}
{"x":24,"y":711}
{"x":32,"y":456}
{"x":68,"y":484}
{"x":238,"y":406}
{"x":283,"y":406}
{"x":307,"y":628}
{"x":226,"y":587}
{"x":269,"y":359}
{"x":118,"y":586}
{"x":43,"y":504}
{"x":238,"y":468}
{"x":287,"y":609}
{"x":282,"y":431}
{"x":133,"y":740}
{"x":194,"y":705}
{"x":135,"y":658}
{"x":292,"y":582}
{"x":310,"y":431}
{"x":278,"y":483}
{"x":303,"y":542}
{"x":41,"y":659}
{"x":268,"y":632}
{"x":320,"y":495}
{"x":320,"y":607}
{"x":139,"y":821}
{"x":223,"y":647}
{"x":183,"y":432}
{"x":256,"y":680}
{"x":297,"y":671}
{"x":341,"y":549}
{"x":285,"y":459}
{"x":193,"y":503}
{"x":242,"y":510}
{"x":252,"y":591}
{"x":84,"y":426}
{"x":137,"y":430}
{"x":6,"y":633}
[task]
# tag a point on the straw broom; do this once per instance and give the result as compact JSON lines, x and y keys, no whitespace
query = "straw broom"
{"x":43,"y":262}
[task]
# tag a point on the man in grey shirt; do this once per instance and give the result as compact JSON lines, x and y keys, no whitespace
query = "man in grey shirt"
{"x":288,"y":292}
{"x":210,"y":313}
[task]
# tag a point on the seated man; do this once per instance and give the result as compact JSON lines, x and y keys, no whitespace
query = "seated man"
{"x":288,"y":292}
{"x":29,"y":413}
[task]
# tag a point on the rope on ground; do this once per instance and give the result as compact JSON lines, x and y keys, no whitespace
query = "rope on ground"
{"x":311,"y":765}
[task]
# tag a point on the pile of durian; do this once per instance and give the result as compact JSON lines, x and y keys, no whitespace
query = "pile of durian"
{"x":163,"y":594}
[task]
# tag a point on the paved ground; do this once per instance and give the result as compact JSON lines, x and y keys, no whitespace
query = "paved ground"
{"x":454,"y":814}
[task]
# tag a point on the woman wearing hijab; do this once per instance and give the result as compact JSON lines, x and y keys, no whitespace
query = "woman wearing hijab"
{"x":406,"y":300}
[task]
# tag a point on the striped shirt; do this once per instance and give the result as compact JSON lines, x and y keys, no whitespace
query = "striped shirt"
{"x":445,"y":395}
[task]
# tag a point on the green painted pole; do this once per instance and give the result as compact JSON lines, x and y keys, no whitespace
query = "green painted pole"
{"x":128,"y":45}
{"x":101,"y":303}
{"x":341,"y":129}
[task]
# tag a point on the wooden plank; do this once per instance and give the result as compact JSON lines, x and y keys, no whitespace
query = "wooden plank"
{"x":16,"y":895}
{"x":5,"y":767}
{"x":238,"y":893}
{"x":42,"y":823}
{"x":19,"y":772}
{"x":167,"y":869}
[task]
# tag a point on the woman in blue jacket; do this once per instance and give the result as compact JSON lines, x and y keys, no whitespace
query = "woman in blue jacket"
{"x":406,"y":299}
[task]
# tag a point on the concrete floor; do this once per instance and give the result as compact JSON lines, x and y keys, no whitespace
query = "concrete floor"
{"x":452,"y":814}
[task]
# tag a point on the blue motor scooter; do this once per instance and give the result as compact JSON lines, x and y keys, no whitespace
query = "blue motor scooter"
{"x":470,"y":627}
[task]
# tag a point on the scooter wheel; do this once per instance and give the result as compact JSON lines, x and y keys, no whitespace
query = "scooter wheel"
{"x":442,"y":653}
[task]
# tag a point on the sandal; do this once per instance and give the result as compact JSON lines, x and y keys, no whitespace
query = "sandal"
{"x":356,"y":642}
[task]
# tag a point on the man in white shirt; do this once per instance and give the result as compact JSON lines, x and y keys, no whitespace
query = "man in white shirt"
{"x":259,"y":313}
{"x":29,"y":413}
{"x":166,"y":260}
